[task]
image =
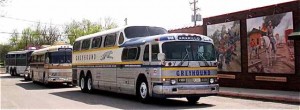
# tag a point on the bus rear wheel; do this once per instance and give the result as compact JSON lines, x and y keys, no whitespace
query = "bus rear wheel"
{"x":89,"y":84}
{"x":193,"y":100}
{"x":83,"y":86}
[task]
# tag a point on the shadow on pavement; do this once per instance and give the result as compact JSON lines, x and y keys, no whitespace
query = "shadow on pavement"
{"x":28,"y":85}
{"x":123,"y":101}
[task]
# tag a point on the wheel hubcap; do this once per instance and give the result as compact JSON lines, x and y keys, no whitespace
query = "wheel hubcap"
{"x":82,"y":83}
{"x":143,"y":90}
{"x":89,"y":84}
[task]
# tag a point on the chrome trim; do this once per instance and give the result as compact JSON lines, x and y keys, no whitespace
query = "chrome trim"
{"x":186,"y":89}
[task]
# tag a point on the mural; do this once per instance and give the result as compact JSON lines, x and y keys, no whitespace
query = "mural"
{"x":226,"y":37}
{"x":269,"y":50}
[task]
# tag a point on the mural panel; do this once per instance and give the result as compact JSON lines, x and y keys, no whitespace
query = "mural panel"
{"x":269,"y":50}
{"x":226,"y":37}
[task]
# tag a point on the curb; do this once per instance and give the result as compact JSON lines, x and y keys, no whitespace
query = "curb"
{"x":260,"y":97}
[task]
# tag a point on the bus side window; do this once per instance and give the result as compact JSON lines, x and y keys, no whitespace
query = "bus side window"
{"x":146,"y":53}
{"x":85,"y":44}
{"x":110,"y":40}
{"x":121,"y":38}
{"x":130,"y":53}
{"x":155,"y":51}
{"x":76,"y":46}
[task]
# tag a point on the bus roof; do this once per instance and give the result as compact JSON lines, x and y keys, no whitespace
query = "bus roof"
{"x":19,"y":52}
{"x":163,"y":37}
{"x":50,"y":49}
{"x":118,"y":29}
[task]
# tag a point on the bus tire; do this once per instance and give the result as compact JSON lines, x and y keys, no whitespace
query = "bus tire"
{"x":193,"y":100}
{"x":83,"y":84}
{"x":89,"y":83}
{"x":32,"y":78}
{"x":45,"y":82}
{"x":11,"y":72}
{"x":143,"y":90}
{"x":14,"y":72}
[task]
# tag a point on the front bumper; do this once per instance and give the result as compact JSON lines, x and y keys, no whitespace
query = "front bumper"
{"x":185,"y":90}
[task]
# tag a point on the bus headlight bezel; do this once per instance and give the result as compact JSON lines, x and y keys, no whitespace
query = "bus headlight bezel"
{"x":211,"y":80}
{"x":173,"y":81}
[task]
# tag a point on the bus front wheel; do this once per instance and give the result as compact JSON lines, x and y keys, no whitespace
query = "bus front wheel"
{"x":192,"y":100}
{"x":142,"y":91}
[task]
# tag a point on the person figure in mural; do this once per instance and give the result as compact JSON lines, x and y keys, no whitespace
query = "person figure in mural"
{"x":271,"y":37}
{"x":221,"y":52}
{"x":253,"y":48}
{"x":229,"y":53}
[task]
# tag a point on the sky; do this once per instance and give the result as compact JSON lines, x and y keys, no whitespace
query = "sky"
{"x":170,"y":14}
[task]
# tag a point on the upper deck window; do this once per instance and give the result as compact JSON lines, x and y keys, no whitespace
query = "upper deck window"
{"x":76,"y":46}
{"x":96,"y":42}
{"x":110,"y":40}
{"x":85,"y":44}
{"x":121,"y":38}
{"x":142,"y":31}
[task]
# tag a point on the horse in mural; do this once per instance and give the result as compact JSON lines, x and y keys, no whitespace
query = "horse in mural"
{"x":269,"y":49}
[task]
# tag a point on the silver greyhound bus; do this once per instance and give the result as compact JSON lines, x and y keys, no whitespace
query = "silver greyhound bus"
{"x":52,"y":64}
{"x":147,"y":62}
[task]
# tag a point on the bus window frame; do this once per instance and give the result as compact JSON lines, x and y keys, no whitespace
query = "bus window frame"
{"x":121,"y":36}
{"x":114,"y":40}
{"x":79,"y":47}
{"x":86,"y":46}
{"x":137,"y":54}
{"x":99,"y":45}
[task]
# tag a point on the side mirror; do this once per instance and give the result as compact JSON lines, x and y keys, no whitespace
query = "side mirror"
{"x":161,"y":56}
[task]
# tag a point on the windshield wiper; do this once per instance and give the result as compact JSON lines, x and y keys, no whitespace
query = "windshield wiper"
{"x":205,"y":61}
{"x":186,"y":55}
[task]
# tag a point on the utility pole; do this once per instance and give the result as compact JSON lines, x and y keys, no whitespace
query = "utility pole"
{"x":194,"y":9}
{"x":125,"y":20}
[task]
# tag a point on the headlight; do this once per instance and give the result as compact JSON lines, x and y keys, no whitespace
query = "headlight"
{"x":173,"y":81}
{"x":211,"y":80}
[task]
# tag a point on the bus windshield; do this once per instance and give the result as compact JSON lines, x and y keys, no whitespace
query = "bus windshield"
{"x":142,"y":31}
{"x":189,"y":51}
{"x":60,"y":57}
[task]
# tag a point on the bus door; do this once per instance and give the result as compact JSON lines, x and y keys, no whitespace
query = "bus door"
{"x":150,"y":61}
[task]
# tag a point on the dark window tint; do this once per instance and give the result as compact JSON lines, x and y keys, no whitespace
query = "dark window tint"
{"x":110,"y":40}
{"x":130,"y":54}
{"x":142,"y":31}
{"x":76,"y":46}
{"x":155,"y":51}
{"x":96,"y":42}
{"x":189,"y":51}
{"x":121,"y":38}
{"x":60,"y":57}
{"x":85,"y":44}
{"x":146,"y":53}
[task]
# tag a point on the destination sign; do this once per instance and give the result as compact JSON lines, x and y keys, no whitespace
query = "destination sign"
{"x":189,"y":38}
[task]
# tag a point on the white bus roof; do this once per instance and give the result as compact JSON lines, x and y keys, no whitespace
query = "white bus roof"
{"x":118,"y":29}
{"x":20,"y":52}
{"x":143,"y":40}
{"x":50,"y":49}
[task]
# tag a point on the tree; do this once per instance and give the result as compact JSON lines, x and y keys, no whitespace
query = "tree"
{"x":76,"y":29}
{"x":3,"y":51}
